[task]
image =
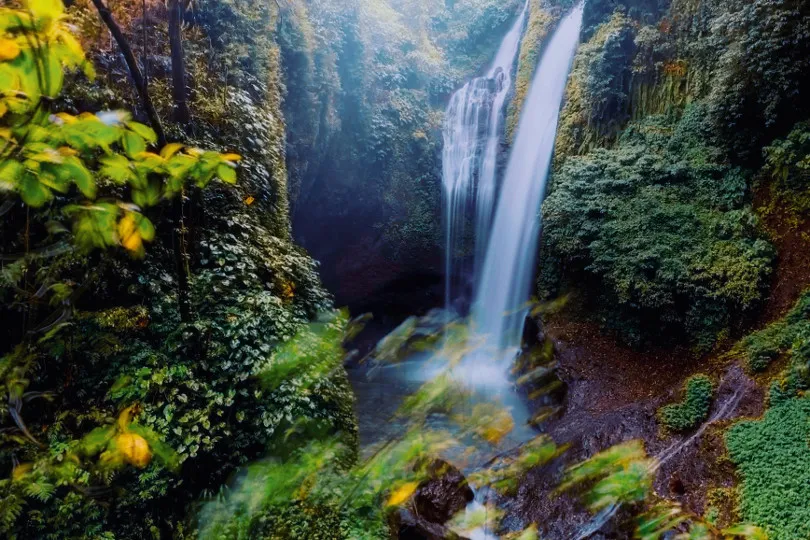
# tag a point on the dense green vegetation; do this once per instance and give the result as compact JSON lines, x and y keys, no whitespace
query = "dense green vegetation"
{"x":692,"y":409}
{"x":669,"y":111}
{"x":784,"y":337}
{"x":109,"y":362}
{"x":661,"y":223}
{"x":171,"y":365}
{"x":774,"y":460}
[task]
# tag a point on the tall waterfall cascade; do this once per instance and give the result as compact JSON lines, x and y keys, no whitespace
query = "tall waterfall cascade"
{"x":472,"y":134}
{"x":503,"y":289}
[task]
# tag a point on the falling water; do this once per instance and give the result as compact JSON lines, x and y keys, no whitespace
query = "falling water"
{"x":472,"y":134}
{"x":504,"y":283}
{"x":504,"y":287}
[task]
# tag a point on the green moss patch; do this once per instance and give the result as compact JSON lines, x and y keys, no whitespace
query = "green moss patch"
{"x":773,"y":457}
{"x":694,"y":408}
{"x":540,"y":21}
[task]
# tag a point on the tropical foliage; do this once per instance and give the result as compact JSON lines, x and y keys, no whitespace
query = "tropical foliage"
{"x":172,"y":367}
{"x":660,"y":223}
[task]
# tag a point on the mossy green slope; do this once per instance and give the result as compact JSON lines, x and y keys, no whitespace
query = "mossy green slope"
{"x":773,"y":458}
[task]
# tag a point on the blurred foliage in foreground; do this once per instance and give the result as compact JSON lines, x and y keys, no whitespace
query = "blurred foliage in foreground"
{"x":303,"y":489}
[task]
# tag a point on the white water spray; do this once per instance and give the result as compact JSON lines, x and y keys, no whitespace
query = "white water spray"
{"x":504,"y":284}
{"x":472,"y":134}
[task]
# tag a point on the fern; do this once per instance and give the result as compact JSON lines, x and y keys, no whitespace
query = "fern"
{"x":10,"y":508}
{"x":39,"y":489}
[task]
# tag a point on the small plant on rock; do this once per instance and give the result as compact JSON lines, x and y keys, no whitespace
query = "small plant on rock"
{"x":694,"y":408}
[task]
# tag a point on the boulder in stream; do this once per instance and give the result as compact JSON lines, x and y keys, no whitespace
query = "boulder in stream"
{"x":443,"y":495}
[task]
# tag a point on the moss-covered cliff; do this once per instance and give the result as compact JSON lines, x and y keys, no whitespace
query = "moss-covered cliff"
{"x":121,"y":353}
{"x":668,"y":109}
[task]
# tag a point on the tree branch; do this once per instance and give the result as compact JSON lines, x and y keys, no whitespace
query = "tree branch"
{"x":134,"y":70}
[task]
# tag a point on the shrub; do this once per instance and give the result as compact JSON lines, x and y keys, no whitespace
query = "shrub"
{"x":788,"y":336}
{"x":659,"y":227}
{"x":693,"y":409}
{"x":773,"y":458}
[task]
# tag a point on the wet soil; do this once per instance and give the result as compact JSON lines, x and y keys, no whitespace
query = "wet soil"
{"x":790,"y":234}
{"x":613,"y":396}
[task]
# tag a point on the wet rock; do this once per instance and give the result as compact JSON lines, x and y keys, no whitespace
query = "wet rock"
{"x":405,"y":525}
{"x":444,"y":495}
{"x":676,"y":486}
{"x":532,"y":333}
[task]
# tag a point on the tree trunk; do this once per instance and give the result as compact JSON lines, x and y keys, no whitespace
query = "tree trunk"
{"x":182,"y":116}
{"x":181,"y":112}
{"x":134,"y":70}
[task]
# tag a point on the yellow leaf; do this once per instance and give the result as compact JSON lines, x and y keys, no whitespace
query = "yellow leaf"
{"x":128,"y":233}
{"x":170,"y":149}
{"x":231,"y":157}
{"x":21,"y":470}
{"x":66,"y":118}
{"x":9,"y":50}
{"x":249,"y":200}
{"x":46,"y":9}
{"x":125,"y":418}
{"x":402,"y":493}
{"x":134,"y":448}
{"x":71,"y":44}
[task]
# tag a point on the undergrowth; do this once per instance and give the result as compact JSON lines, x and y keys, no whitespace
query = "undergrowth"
{"x":693,"y":409}
{"x":773,"y":457}
{"x":788,"y":336}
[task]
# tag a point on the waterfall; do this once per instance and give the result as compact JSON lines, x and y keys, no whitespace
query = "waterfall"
{"x":505,"y":283}
{"x":472,"y":134}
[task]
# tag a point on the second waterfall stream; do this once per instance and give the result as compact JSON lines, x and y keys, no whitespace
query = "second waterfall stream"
{"x":472,"y":134}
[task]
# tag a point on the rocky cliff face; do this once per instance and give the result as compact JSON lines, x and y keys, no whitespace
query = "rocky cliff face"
{"x":364,"y":144}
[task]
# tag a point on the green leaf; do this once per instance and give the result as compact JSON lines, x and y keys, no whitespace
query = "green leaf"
{"x":54,"y":75}
{"x":10,"y":173}
{"x":745,"y":530}
{"x":144,"y":131}
{"x":80,"y":176}
{"x":95,"y":441}
{"x":116,"y":167}
{"x":227,"y":174}
{"x":146,"y":229}
{"x":133,"y":143}
{"x":33,"y":192}
{"x":149,"y":195}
